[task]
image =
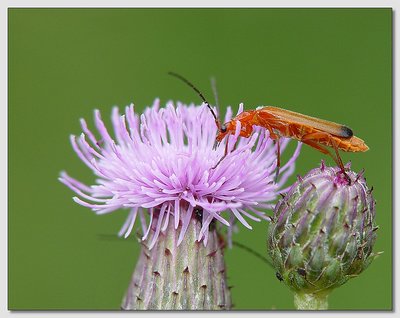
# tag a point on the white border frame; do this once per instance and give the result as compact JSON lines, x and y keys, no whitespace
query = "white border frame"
{"x":4,"y":5}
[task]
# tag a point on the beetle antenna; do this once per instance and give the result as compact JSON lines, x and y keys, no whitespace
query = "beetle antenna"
{"x":199,"y":93}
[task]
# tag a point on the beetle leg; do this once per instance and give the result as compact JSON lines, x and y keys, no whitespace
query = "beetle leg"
{"x":246,"y":134}
{"x":341,"y":165}
{"x":278,"y":159}
{"x":272,"y":135}
{"x":312,"y":140}
{"x":319,"y":147}
{"x":225,"y":152}
{"x":324,"y":150}
{"x":275,"y":138}
{"x":248,"y":130}
{"x":235,"y":145}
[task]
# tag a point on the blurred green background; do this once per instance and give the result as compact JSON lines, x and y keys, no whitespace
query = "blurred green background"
{"x":63,"y":63}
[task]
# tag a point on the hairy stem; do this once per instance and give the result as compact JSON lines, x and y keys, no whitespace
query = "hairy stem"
{"x":314,"y":301}
{"x":190,"y":276}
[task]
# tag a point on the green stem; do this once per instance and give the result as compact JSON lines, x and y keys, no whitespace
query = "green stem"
{"x":314,"y":301}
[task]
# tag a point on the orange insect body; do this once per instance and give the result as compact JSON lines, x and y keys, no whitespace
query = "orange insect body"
{"x":315,"y":132}
{"x":284,"y":123}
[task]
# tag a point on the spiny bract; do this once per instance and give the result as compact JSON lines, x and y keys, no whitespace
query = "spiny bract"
{"x":323,"y":230}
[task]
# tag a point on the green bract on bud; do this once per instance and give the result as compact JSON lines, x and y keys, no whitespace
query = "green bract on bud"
{"x":323,"y":232}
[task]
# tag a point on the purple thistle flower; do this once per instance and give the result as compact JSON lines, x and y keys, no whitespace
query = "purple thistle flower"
{"x":163,"y":163}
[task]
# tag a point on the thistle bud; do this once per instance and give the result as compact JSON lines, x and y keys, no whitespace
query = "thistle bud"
{"x":322,"y":233}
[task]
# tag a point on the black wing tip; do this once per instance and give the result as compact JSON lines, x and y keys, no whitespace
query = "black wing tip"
{"x":346,"y":132}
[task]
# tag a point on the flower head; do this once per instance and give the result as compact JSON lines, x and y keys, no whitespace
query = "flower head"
{"x":163,"y":163}
{"x":323,"y":230}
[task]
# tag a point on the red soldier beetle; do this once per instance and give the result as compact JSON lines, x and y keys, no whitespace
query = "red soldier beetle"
{"x":317,"y":133}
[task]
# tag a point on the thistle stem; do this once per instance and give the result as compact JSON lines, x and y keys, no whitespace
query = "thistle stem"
{"x":190,"y":276}
{"x":314,"y":301}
